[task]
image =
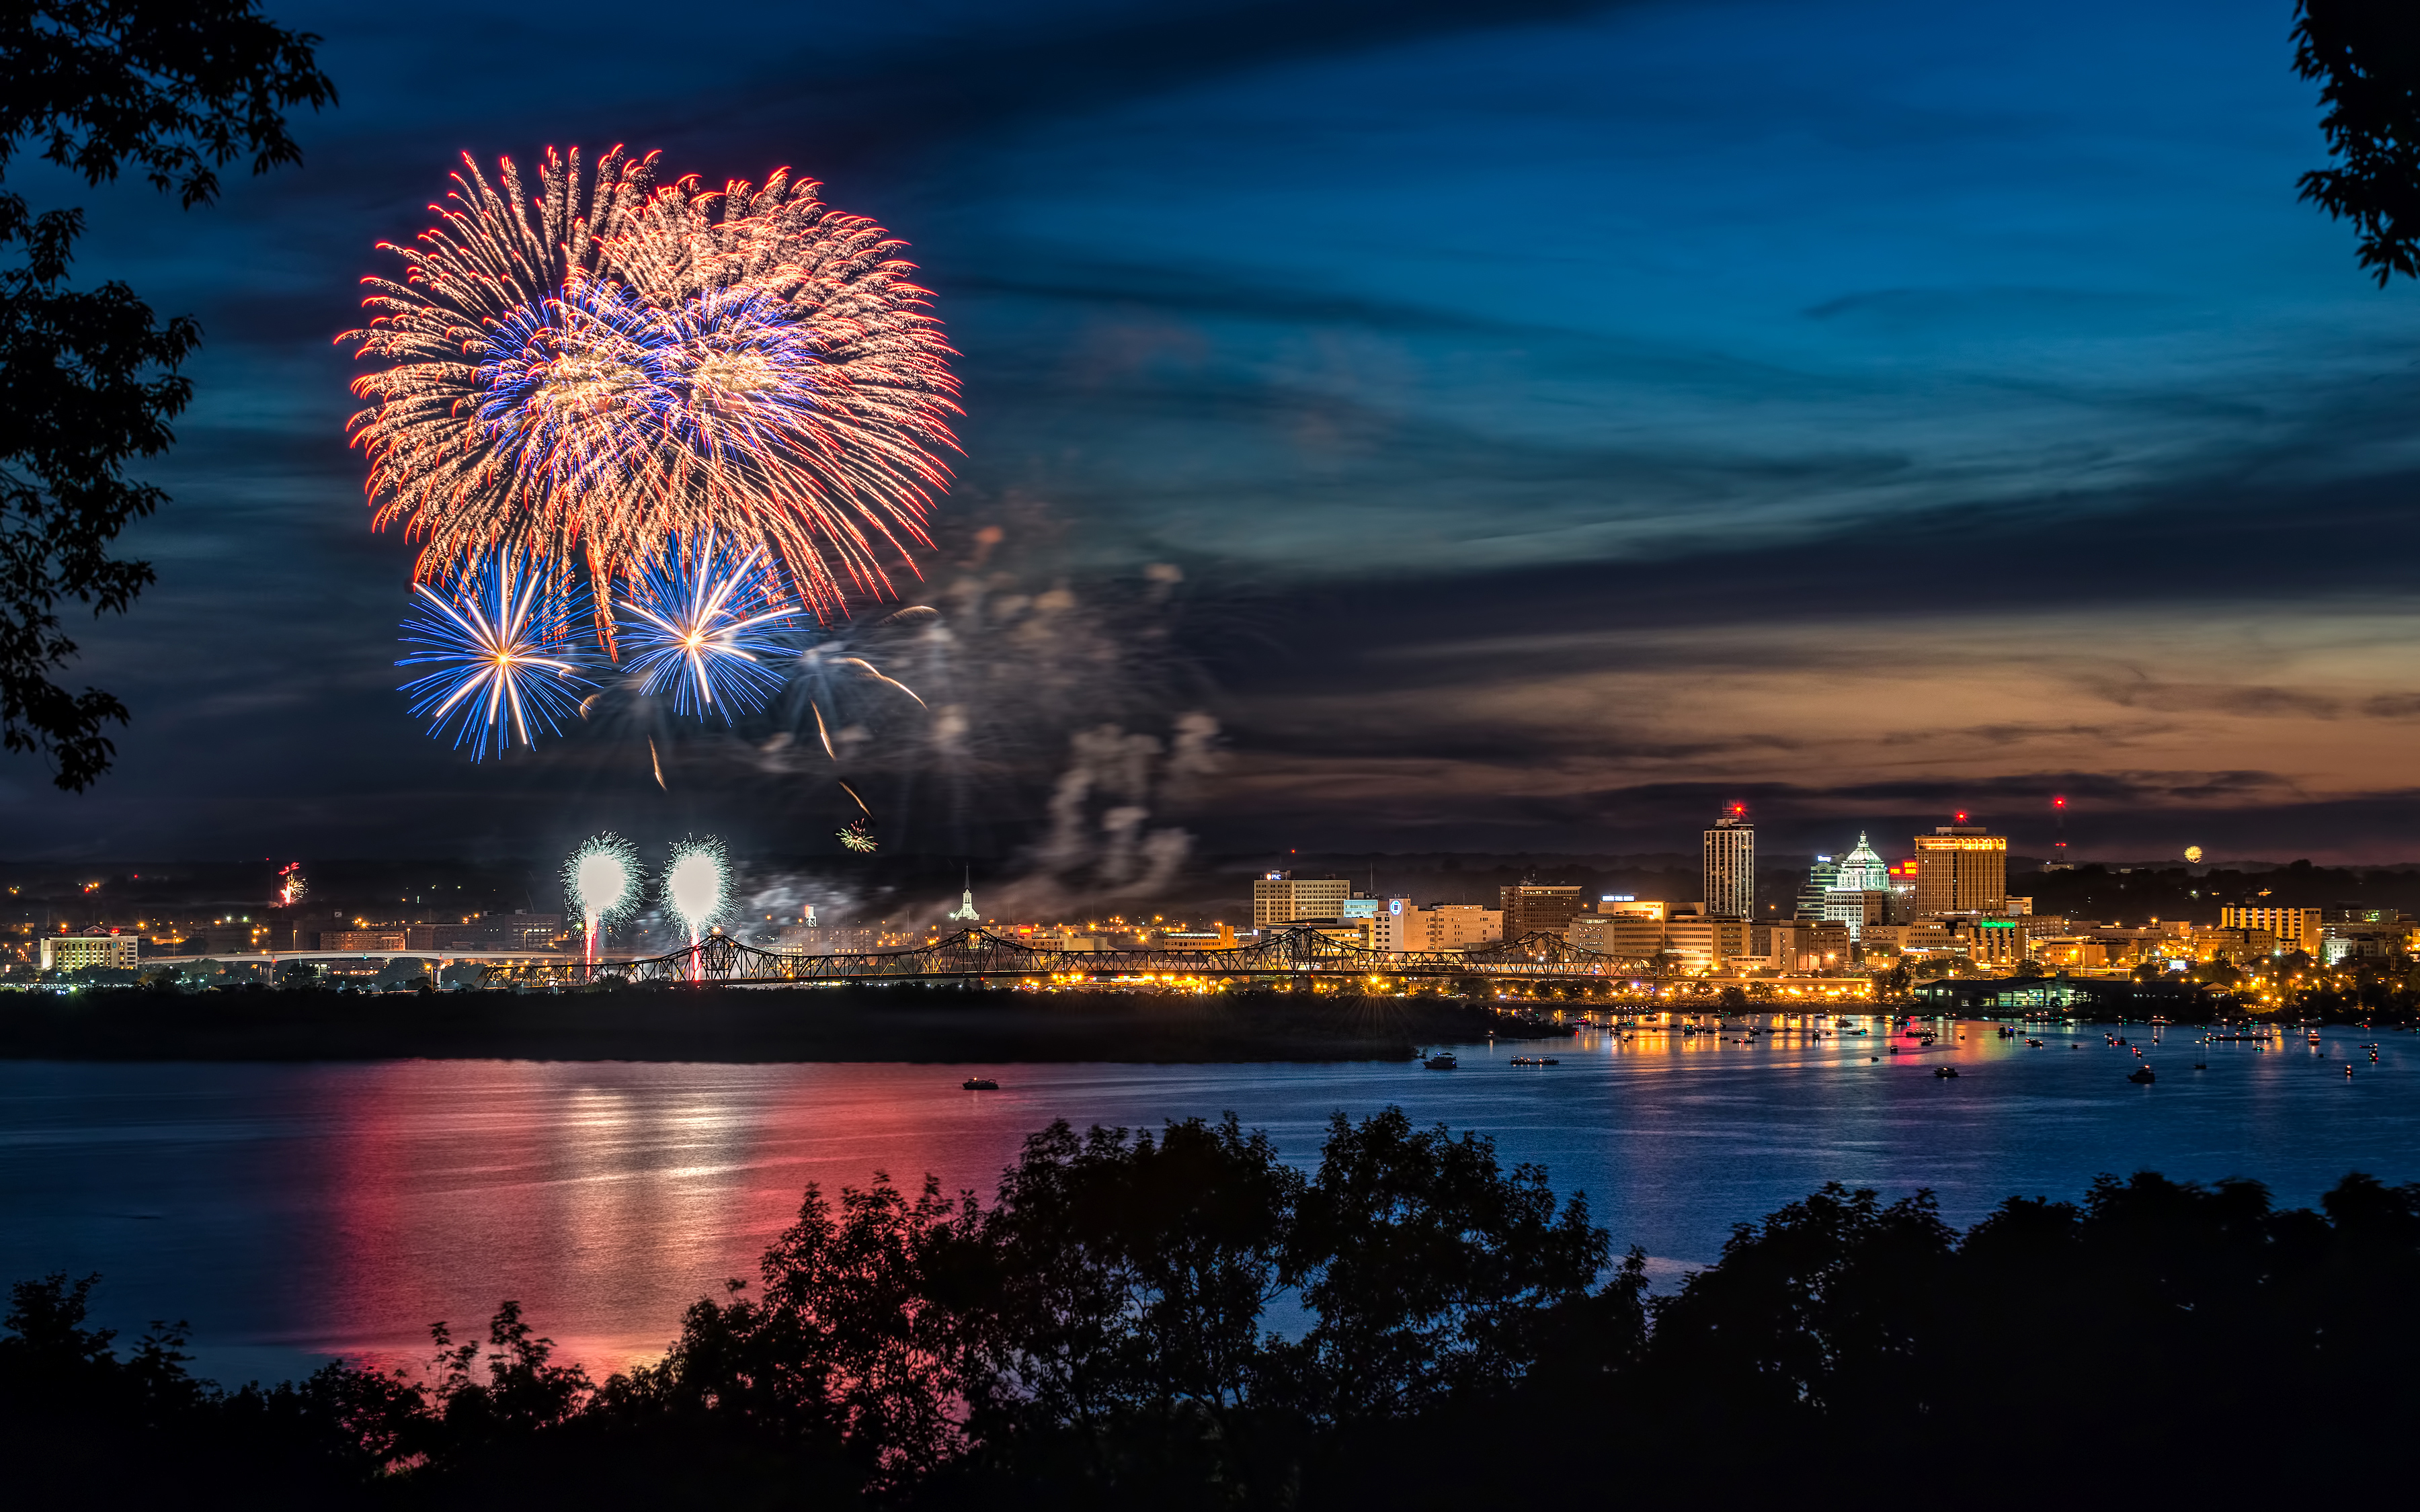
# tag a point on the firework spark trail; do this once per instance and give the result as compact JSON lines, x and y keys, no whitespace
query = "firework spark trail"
{"x":601,"y":878}
{"x":497,"y":638}
{"x":877,"y":674}
{"x":614,"y":362}
{"x":689,"y":631}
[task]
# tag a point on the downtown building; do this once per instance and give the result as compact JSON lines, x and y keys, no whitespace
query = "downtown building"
{"x":73,"y":952}
{"x":1687,"y":940}
{"x":1280,"y":898}
{"x":1730,"y":866}
{"x":1859,"y":892}
{"x":2295,"y":929}
{"x":1529,"y":908}
{"x":1961,"y":869}
{"x":1437,"y":927}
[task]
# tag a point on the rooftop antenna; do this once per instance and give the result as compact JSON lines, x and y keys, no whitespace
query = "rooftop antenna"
{"x":2058,"y":848}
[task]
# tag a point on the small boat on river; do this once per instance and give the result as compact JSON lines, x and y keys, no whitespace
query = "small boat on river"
{"x":2142,"y":1076}
{"x":1535,"y":1060}
{"x":1442,"y":1061}
{"x":980,"y":1084}
{"x":1945,"y":1072}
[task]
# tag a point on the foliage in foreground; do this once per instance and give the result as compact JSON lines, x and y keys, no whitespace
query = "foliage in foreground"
{"x":174,"y":90}
{"x":1100,"y":1334}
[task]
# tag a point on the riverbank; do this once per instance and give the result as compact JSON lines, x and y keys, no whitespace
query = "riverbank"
{"x":916,"y":1024}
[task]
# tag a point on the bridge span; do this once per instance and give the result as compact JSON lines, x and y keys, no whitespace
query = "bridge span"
{"x":979,"y":954}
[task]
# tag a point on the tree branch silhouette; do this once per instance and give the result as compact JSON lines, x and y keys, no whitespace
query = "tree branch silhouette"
{"x":175,"y":90}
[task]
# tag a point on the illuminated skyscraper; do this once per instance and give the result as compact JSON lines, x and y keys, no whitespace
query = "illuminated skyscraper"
{"x":1961,"y":869}
{"x":1730,"y":866}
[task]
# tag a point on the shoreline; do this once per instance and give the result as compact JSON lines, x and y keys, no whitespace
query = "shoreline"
{"x":743,"y":1025}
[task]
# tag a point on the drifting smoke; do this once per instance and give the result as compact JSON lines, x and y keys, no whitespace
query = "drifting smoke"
{"x":951,"y":719}
{"x":1099,"y":844}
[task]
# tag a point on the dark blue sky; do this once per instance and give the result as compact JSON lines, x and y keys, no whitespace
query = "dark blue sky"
{"x":1518,"y":427}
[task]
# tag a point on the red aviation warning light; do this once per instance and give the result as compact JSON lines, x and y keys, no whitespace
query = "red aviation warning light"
{"x":1961,"y":816}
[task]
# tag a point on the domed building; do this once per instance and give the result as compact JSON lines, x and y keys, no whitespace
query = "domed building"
{"x":1862,"y":870}
{"x":1860,"y":890}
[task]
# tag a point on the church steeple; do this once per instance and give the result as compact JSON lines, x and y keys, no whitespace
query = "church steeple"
{"x":967,"y":913}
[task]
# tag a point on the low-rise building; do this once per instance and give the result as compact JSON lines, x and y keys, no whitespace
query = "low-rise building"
{"x":1685,"y":941}
{"x":2296,"y":929}
{"x":1992,"y":942}
{"x":2216,"y":942}
{"x":1279,"y":898}
{"x":73,"y":952}
{"x":1537,"y":908}
{"x":1452,"y":927}
{"x":364,"y":939}
{"x":2364,"y":939}
{"x":1804,"y":945}
{"x":1924,"y":937}
{"x":1391,"y":921}
{"x":1638,"y":907}
{"x":489,"y":931}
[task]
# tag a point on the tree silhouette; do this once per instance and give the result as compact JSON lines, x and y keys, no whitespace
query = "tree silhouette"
{"x":174,"y":89}
{"x":2366,"y":56}
{"x":1101,"y":1336}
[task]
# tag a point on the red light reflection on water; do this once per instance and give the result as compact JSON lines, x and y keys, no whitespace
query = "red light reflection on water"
{"x":607,"y":1198}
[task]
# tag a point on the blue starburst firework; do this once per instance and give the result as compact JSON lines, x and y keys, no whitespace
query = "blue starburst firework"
{"x":704,"y":627}
{"x":498,"y":636}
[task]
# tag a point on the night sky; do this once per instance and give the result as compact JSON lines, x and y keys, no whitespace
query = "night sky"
{"x":1518,"y":427}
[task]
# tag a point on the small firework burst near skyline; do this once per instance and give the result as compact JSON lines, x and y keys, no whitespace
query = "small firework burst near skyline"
{"x":706,"y":629}
{"x":504,"y":665}
{"x":696,"y":887}
{"x":602,"y":880}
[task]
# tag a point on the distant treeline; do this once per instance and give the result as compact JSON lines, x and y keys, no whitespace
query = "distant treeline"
{"x":1101,"y":1334}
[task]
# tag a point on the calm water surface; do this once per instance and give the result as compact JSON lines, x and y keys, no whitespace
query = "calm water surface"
{"x":295,"y":1211}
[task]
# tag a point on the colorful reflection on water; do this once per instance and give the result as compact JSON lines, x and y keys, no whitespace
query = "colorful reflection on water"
{"x":298,"y":1210}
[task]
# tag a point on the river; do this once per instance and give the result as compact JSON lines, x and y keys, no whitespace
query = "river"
{"x":295,"y":1211}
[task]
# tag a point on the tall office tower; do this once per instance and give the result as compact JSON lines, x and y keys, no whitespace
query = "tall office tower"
{"x":1961,"y":869}
{"x":1819,"y":878}
{"x":1530,"y":909}
{"x":1730,"y":866}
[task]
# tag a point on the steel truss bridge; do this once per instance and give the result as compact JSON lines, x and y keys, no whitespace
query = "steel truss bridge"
{"x":976,"y":953}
